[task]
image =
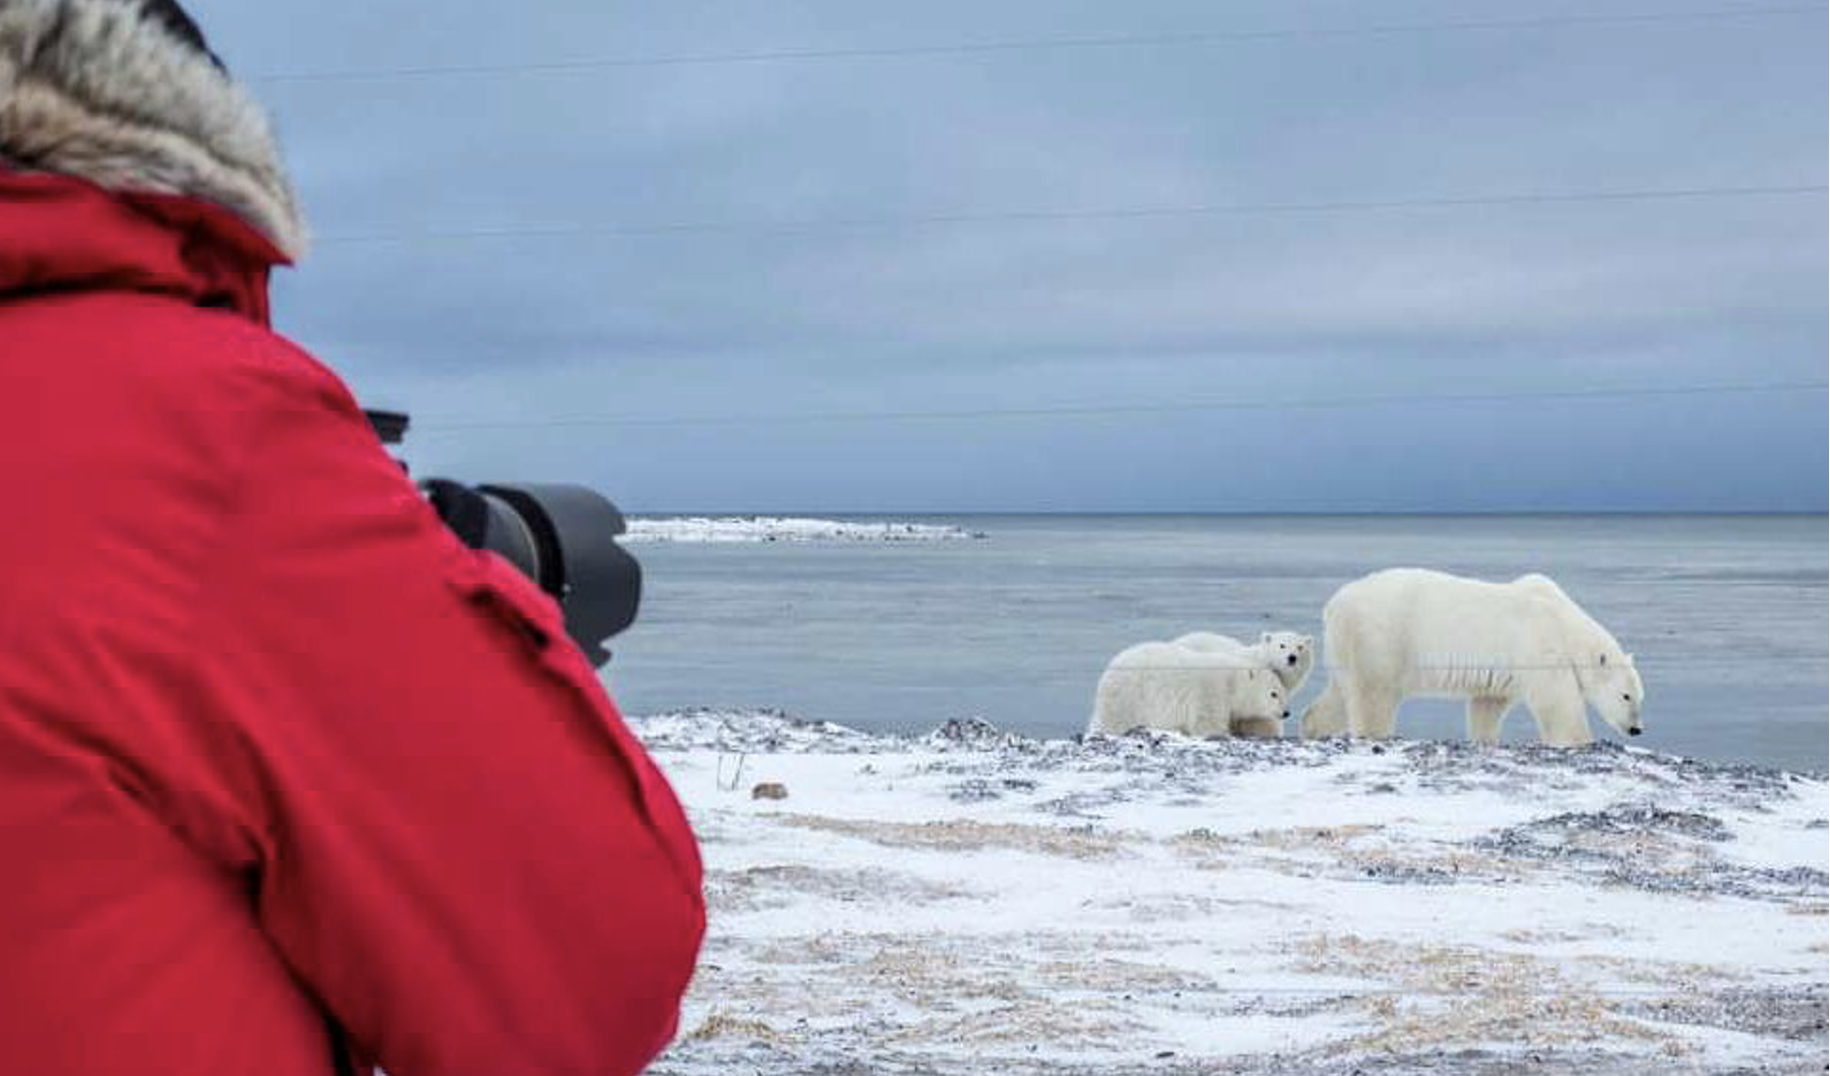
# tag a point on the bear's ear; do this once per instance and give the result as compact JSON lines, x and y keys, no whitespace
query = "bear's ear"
{"x":1629,"y":660}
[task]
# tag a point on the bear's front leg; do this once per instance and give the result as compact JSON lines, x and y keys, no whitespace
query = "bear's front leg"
{"x":1485,"y":716}
{"x":1258,"y":728}
{"x":1372,"y":713}
{"x":1561,"y":713}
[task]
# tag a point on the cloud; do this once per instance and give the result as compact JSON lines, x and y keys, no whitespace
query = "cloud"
{"x":1007,"y":312}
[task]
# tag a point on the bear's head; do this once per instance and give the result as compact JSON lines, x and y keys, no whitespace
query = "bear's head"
{"x":1612,"y":686}
{"x":1260,"y":694}
{"x":1292,"y":655}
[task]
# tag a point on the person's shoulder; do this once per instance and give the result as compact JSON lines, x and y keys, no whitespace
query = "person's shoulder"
{"x":159,"y":369}
{"x":229,"y":361}
{"x":154,"y":339}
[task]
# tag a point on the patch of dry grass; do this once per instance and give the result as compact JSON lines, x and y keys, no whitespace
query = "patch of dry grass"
{"x":1181,"y":907}
{"x":1349,"y":849}
{"x":1108,"y":976}
{"x":1091,"y":1026}
{"x":1541,"y":937}
{"x":784,"y":885}
{"x":937,"y":979}
{"x":1457,"y":996}
{"x":722,"y":1025}
{"x":1672,"y":975}
{"x":1288,"y":839}
{"x":970,"y":836}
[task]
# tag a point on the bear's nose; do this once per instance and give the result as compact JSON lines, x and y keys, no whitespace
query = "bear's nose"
{"x":1291,"y":660}
{"x":1287,"y":714}
{"x":1634,"y":730}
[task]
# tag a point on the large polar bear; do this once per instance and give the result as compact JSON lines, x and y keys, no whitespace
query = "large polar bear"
{"x":1408,"y":632}
{"x":1174,"y":688}
{"x":1287,"y":654}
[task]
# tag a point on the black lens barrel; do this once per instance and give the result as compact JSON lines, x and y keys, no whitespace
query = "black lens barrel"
{"x":571,"y":532}
{"x":561,"y":536}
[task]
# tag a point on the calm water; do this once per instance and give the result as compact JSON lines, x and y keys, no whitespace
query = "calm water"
{"x":1727,"y":615}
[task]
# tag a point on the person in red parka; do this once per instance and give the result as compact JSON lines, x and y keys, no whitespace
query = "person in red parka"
{"x":291,"y":781}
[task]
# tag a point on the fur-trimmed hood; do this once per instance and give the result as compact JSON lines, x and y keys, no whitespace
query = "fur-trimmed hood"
{"x":101,"y":90}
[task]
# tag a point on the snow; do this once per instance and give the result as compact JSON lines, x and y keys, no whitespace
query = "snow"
{"x":700,"y":529}
{"x":972,"y":902}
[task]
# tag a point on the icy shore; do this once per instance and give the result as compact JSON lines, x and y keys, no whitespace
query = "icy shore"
{"x":779,"y":529}
{"x":972,"y":902}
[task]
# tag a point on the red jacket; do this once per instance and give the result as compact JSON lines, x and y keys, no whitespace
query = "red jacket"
{"x":275,"y":749}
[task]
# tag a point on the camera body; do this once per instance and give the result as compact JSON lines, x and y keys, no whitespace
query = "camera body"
{"x":563,"y":537}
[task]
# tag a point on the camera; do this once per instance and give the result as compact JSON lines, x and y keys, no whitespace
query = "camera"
{"x":563,"y":537}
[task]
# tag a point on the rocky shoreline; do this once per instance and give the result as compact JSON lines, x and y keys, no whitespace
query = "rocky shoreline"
{"x":972,"y":901}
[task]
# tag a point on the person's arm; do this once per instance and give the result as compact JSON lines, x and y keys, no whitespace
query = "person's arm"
{"x":471,"y":862}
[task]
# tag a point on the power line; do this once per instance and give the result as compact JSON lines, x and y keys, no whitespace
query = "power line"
{"x":1046,"y":216}
{"x":1465,"y":667}
{"x":1113,"y":410}
{"x":1014,"y":45}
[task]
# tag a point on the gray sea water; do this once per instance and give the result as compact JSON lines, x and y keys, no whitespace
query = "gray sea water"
{"x":1727,"y":615}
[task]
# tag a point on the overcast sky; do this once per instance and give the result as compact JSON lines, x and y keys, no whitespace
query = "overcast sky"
{"x":715,"y":248}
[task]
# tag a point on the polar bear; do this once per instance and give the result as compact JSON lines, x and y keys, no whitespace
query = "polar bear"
{"x":1408,"y":632}
{"x":1174,"y":688}
{"x":1285,"y":653}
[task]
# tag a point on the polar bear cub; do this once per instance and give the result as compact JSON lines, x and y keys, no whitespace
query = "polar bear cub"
{"x":1289,"y":655}
{"x":1178,"y":689}
{"x":1408,"y":632}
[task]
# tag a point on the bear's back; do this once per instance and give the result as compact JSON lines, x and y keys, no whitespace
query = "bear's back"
{"x":1209,"y":642}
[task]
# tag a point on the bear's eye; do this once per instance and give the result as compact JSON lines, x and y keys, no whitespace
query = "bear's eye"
{"x":1628,"y":698}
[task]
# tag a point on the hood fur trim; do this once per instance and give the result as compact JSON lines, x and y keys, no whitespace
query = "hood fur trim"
{"x":95,"y":89}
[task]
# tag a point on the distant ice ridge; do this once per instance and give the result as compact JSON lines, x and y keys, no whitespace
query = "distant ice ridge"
{"x":788,"y":529}
{"x":973,"y":901}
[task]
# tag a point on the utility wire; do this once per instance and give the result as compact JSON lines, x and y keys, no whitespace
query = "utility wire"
{"x":1045,"y":216}
{"x":1105,"y":410}
{"x":1462,"y":667}
{"x":1017,"y":45}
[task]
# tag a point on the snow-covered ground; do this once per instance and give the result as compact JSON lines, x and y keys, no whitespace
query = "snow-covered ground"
{"x":779,"y":529}
{"x":974,"y":903}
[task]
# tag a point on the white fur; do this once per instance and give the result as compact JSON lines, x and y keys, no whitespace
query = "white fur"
{"x":1408,"y":633}
{"x":1256,"y":728}
{"x":93,"y":89}
{"x":1290,"y":655}
{"x":1176,"y":689}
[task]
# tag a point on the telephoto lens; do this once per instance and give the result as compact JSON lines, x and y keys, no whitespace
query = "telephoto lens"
{"x":561,"y":536}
